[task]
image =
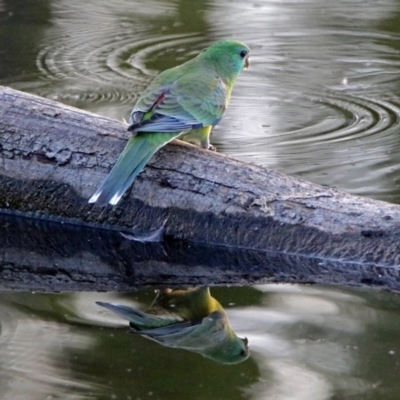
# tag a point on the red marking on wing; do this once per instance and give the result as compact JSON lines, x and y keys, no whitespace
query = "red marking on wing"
{"x":158,"y":101}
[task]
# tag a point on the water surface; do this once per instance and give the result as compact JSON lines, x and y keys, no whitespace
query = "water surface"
{"x":305,"y":343}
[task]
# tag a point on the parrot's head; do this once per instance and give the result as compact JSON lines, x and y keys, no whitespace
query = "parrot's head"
{"x":234,"y":350}
{"x":229,"y":57}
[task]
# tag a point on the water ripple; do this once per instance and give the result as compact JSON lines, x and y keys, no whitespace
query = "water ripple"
{"x":111,"y":72}
{"x":33,"y":353}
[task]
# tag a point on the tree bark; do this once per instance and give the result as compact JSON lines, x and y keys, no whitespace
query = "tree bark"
{"x":53,"y":157}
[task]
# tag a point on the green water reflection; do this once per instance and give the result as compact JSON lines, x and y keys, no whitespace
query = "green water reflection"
{"x":189,"y":319}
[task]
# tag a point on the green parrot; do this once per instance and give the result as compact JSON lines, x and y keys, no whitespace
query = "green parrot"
{"x":189,"y":319}
{"x":187,"y":100}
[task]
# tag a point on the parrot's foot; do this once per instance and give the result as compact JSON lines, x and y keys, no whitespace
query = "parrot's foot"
{"x":207,"y":145}
{"x":211,"y":147}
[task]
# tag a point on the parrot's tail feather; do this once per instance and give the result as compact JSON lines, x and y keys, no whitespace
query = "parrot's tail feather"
{"x":130,"y":163}
{"x":125,"y":312}
{"x":117,"y":196}
{"x":139,"y":320}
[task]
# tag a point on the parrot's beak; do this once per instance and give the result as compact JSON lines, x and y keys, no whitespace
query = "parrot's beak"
{"x":247,"y":62}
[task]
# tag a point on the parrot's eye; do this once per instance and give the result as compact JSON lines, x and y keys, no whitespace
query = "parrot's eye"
{"x":243,"y":53}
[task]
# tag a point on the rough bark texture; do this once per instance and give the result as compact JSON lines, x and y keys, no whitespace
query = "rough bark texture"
{"x":53,"y":157}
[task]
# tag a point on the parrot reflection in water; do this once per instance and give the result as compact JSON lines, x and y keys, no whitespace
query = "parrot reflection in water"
{"x":185,"y":101}
{"x":189,"y":319}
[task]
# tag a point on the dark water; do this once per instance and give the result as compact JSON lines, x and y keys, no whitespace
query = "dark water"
{"x":321,"y":101}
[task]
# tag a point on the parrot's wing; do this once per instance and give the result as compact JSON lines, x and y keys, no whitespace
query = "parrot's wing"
{"x":205,"y":99}
{"x":187,"y":103}
{"x":211,"y":325}
{"x":177,"y":328}
{"x":201,"y":335}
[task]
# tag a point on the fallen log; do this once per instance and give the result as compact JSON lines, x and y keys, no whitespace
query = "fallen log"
{"x":53,"y":157}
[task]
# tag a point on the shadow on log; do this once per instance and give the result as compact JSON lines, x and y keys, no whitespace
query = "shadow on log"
{"x":53,"y":157}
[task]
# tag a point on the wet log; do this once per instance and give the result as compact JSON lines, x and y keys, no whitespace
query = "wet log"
{"x":53,"y":157}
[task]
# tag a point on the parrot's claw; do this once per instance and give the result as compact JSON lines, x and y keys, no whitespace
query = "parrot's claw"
{"x":208,"y":146}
